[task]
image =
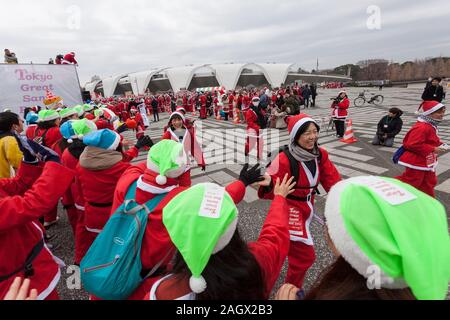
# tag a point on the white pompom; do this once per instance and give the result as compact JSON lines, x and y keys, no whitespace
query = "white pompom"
{"x":69,"y":141}
{"x":81,"y":136}
{"x":198,"y":285}
{"x":161,"y":180}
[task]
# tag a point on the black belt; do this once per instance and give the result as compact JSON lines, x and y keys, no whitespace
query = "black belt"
{"x":100,"y":205}
{"x":301,"y":199}
{"x":28,"y":265}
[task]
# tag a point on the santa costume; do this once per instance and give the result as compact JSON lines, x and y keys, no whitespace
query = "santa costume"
{"x":254,"y":132}
{"x":419,"y":157}
{"x":187,"y":137}
{"x":314,"y":168}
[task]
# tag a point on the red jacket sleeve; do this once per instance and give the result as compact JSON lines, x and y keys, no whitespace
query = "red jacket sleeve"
{"x":131,"y":154}
{"x":196,"y":149}
{"x":344,"y":104}
{"x":329,"y":175}
{"x":37,"y":201}
{"x":277,"y":169}
{"x":24,"y":180}
{"x":272,"y":247}
{"x":415,"y":142}
{"x":237,"y":191}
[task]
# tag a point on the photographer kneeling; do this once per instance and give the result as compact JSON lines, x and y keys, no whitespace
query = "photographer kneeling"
{"x":388,"y":127}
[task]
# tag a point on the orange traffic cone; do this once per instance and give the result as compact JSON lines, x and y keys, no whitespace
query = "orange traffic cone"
{"x":349,"y":137}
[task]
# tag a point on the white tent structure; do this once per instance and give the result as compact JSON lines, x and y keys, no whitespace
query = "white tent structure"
{"x":226,"y":75}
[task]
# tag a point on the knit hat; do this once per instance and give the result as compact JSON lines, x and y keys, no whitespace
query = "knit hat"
{"x":296,"y":123}
{"x":103,"y":139}
{"x":88,"y":107}
{"x":76,"y":129}
{"x":32,"y":118}
{"x":429,"y":107}
{"x":51,"y":99}
{"x":48,"y":115}
{"x":201,"y":221}
{"x":68,"y":112}
{"x":167,"y":158}
{"x":80,"y":110}
{"x":382,"y":222}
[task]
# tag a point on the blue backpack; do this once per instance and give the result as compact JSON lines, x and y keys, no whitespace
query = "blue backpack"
{"x":398,"y":154}
{"x":111,"y":269}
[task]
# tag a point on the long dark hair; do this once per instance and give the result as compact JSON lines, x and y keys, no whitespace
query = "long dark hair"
{"x":76,"y":148}
{"x":47,"y":124}
{"x":7,"y":120}
{"x":341,"y":282}
{"x":231,"y":274}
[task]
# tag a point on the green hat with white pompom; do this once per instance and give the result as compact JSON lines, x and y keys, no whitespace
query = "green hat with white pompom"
{"x":201,"y":222}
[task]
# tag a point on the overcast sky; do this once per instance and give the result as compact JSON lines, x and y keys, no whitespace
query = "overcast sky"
{"x":113,"y":37}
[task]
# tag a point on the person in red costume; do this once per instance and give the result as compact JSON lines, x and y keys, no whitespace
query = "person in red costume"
{"x":422,"y":146}
{"x":179,"y":132}
{"x":254,"y":119}
{"x":222,"y":265}
{"x":314,"y":168}
{"x":23,"y":199}
{"x":340,"y":113}
{"x":203,"y":110}
{"x":100,"y":167}
{"x":70,"y":59}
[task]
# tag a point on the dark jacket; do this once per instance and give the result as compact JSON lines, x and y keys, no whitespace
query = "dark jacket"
{"x":394,"y":126}
{"x":433,"y":93}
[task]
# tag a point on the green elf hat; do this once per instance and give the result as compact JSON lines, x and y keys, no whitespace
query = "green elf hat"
{"x":88,"y":107}
{"x":80,"y":110}
{"x":383,"y":224}
{"x":167,"y":158}
{"x":77,"y":129}
{"x":98,"y":113}
{"x":201,"y":222}
{"x":48,"y":115}
{"x":68,"y":112}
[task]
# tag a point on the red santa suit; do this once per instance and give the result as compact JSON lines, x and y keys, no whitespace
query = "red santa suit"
{"x":156,"y":243}
{"x":340,"y":110}
{"x":270,"y":251}
{"x":203,"y":111}
{"x":231,"y":106}
{"x":301,"y":203}
{"x":69,"y":59}
{"x":419,"y":157}
{"x":23,"y":199}
{"x":50,"y":138}
{"x":99,"y":171}
{"x":254,"y":137}
{"x":191,"y":145}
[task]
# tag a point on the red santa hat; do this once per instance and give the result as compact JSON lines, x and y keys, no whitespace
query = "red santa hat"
{"x":429,"y":107}
{"x":181,"y":110}
{"x":296,"y":123}
{"x":176,"y":113}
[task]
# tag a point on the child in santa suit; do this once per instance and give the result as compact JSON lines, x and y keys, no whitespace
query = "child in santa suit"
{"x":179,"y":132}
{"x":100,"y":167}
{"x":422,"y":147}
{"x":23,"y":199}
{"x":32,"y":123}
{"x":314,"y":167}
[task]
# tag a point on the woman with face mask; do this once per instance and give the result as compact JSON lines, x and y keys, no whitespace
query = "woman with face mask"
{"x":422,"y":147}
{"x":255,"y":122}
{"x":10,"y":155}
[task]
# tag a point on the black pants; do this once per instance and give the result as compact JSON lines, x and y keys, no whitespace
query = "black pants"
{"x":340,"y":128}
{"x":313,"y":103}
{"x":226,"y":116}
{"x":155,"y":115}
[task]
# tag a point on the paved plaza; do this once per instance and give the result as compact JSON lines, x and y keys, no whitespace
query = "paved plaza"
{"x":223,"y":143}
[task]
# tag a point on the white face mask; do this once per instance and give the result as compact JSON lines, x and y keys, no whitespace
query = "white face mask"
{"x":256,"y":104}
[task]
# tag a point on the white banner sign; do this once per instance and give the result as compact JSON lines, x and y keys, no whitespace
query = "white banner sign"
{"x":25,"y":85}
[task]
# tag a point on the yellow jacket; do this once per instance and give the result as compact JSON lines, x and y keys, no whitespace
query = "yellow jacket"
{"x":10,"y":156}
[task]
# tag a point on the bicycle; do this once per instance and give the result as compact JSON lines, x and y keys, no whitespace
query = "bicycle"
{"x":376,"y":100}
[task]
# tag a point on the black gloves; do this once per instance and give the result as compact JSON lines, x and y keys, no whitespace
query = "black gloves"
{"x":144,"y":141}
{"x":203,"y":168}
{"x":33,"y":152}
{"x":250,"y":176}
{"x":122,"y":128}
